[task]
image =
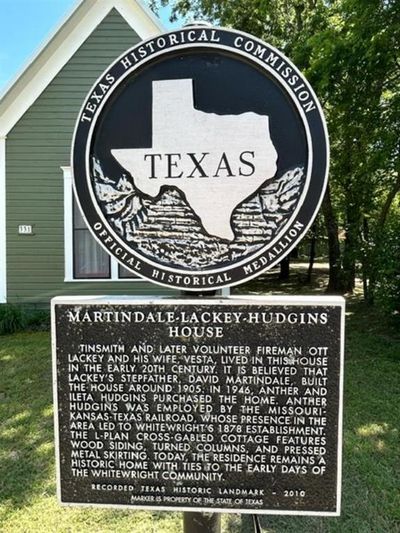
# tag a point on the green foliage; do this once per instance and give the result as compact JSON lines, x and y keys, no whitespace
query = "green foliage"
{"x":350,"y":52}
{"x":15,"y":318}
{"x":12,"y":319}
{"x":38,"y":320}
{"x":371,"y":501}
{"x":386,"y":291}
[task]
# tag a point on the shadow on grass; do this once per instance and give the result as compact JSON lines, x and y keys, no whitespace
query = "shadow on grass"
{"x":371,"y":467}
{"x":269,"y":282}
{"x":371,"y":454}
{"x":26,"y":419}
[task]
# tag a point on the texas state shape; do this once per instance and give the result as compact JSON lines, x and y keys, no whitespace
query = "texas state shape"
{"x":236,"y":155}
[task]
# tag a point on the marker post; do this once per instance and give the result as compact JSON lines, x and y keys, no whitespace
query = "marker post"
{"x":201,"y":522}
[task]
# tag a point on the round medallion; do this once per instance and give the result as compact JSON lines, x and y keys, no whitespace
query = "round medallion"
{"x":200,"y":158}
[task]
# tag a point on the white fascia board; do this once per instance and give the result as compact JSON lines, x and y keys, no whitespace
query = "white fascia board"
{"x":61,"y":46}
{"x":3,"y":236}
{"x":68,"y":225}
{"x":140,"y":17}
{"x":35,"y":56}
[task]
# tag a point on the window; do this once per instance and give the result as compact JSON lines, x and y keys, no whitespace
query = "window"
{"x":90,"y":259}
{"x":124,"y":273}
{"x":85,"y":259}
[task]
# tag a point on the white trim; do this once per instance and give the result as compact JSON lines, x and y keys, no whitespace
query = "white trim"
{"x":68,"y":224}
{"x":140,"y":17}
{"x":113,"y":269}
{"x":55,"y":392}
{"x":340,"y":414}
{"x":69,"y":240}
{"x":62,"y":45}
{"x":236,"y":299}
{"x":3,"y":235}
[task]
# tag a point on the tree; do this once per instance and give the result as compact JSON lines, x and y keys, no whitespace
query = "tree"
{"x":357,"y":74}
{"x":349,"y":50}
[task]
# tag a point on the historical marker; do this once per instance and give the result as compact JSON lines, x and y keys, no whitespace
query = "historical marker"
{"x":220,"y":405}
{"x":200,"y":158}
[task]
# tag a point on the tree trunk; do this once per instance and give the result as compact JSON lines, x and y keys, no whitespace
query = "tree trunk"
{"x":285,"y":268}
{"x":388,"y":203}
{"x":335,"y":284}
{"x":351,"y":243}
{"x":201,"y":522}
{"x":378,"y":232}
{"x":312,"y":252}
{"x":366,"y":261}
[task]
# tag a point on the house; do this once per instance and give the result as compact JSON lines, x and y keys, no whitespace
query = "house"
{"x":45,"y":246}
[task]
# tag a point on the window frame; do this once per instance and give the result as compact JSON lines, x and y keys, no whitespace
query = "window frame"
{"x":83,"y":229}
{"x":69,"y":241}
{"x":69,"y":245}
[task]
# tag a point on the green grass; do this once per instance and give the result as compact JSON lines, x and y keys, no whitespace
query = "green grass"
{"x":371,"y":451}
{"x":371,"y":473}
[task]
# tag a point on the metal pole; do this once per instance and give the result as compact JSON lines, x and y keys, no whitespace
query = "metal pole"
{"x":201,"y":522}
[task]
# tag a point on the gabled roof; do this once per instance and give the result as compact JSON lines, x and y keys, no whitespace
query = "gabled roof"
{"x":62,"y":45}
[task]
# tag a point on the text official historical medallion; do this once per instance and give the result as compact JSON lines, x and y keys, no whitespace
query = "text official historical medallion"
{"x":200,"y":158}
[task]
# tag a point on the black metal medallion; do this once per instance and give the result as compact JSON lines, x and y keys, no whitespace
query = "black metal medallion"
{"x":200,"y":158}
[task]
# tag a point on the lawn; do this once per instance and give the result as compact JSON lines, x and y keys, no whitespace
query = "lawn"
{"x":371,"y":472}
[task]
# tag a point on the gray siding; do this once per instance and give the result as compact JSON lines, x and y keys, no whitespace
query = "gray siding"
{"x":36,"y":148}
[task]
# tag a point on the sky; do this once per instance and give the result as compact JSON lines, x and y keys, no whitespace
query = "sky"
{"x":25,"y":26}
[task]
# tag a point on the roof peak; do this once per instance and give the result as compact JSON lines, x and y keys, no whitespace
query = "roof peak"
{"x":61,"y":45}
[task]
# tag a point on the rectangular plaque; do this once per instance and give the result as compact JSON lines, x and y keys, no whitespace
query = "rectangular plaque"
{"x":226,"y":405}
{"x":25,"y":229}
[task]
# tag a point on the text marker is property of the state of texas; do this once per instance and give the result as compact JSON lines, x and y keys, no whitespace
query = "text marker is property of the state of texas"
{"x":190,"y":177}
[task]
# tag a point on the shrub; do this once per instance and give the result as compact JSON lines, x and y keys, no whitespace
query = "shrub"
{"x":38,"y":320}
{"x":387,"y":274}
{"x":12,"y":319}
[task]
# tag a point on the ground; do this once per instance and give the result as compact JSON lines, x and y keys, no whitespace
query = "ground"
{"x":371,"y":470}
